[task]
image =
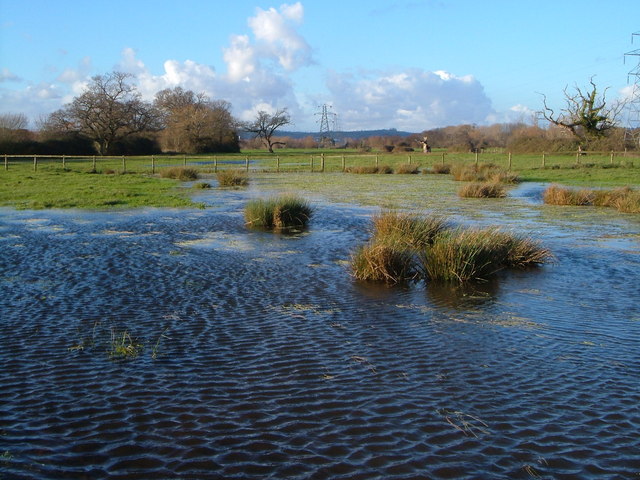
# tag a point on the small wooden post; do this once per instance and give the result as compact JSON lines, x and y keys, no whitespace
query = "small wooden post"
{"x":6,"y":162}
{"x":343,"y":163}
{"x":509,"y":161}
{"x":311,"y":163}
{"x":153,"y":164}
{"x":476,"y":156}
{"x":278,"y":164}
{"x":35,"y":163}
{"x":611,"y":158}
{"x":124,"y":165}
{"x":544,"y":159}
{"x":578,"y":157}
{"x":322,"y":162}
{"x":63,"y":162}
{"x":377,"y":161}
{"x":246,"y":163}
{"x":215,"y":164}
{"x":409,"y":159}
{"x":184,"y":160}
{"x":442,"y":158}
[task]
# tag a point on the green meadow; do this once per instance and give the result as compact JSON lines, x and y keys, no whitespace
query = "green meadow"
{"x":132,"y":182}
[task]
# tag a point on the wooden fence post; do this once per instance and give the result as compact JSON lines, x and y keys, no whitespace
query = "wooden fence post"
{"x":509,"y":161}
{"x":476,"y":157}
{"x":184,"y":160}
{"x":409,"y":159}
{"x":322,"y":162}
{"x":377,"y":161}
{"x":611,"y":158}
{"x":153,"y":164}
{"x":343,"y":163}
{"x":124,"y":165}
{"x":35,"y":163}
{"x":215,"y":164}
{"x":544,"y":158}
{"x":63,"y":162}
{"x":278,"y":164}
{"x":93,"y":163}
{"x":311,"y":163}
{"x":442,"y":158}
{"x":246,"y":163}
{"x":6,"y":162}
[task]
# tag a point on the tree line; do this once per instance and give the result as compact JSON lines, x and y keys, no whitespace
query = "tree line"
{"x":110,"y":118}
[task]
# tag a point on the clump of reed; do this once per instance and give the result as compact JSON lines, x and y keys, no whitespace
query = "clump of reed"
{"x":438,"y":169}
{"x":278,"y":213}
{"x":184,"y":174}
{"x":407,"y":168}
{"x":368,"y":169}
{"x":405,"y":248}
{"x":624,"y":199}
{"x":482,"y":190}
{"x":202,"y":185}
{"x":483,"y":172}
{"x":232,"y":178}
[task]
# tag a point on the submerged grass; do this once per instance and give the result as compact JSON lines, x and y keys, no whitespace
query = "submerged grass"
{"x":403,"y":248}
{"x":278,"y":213}
{"x":483,"y":172}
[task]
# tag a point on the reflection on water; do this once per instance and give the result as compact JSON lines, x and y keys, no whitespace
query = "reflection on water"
{"x":261,"y":358}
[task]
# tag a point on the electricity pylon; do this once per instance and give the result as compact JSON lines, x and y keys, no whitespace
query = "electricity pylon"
{"x":632,"y":132}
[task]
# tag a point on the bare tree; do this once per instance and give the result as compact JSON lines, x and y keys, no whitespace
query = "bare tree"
{"x":265,"y":126}
{"x":586,"y":114}
{"x":109,"y":110}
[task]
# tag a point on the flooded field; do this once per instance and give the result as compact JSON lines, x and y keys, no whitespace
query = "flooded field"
{"x":178,"y":344}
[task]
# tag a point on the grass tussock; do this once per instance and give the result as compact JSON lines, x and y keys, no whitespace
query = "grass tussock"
{"x":405,"y":248}
{"x":232,"y":178}
{"x":407,"y":168}
{"x":365,"y":169}
{"x":439,"y":169}
{"x":624,"y":199}
{"x":185,"y":174}
{"x":482,"y":190}
{"x":279,"y":213}
{"x":483,"y":172}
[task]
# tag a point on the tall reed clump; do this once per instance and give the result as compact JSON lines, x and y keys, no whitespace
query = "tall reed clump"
{"x":439,"y":169}
{"x":407,"y":168}
{"x":278,"y":213}
{"x":405,"y":248}
{"x":232,"y":178}
{"x":184,"y":174}
{"x":482,"y":190}
{"x":625,"y":199}
{"x":364,"y":169}
{"x":390,"y":256}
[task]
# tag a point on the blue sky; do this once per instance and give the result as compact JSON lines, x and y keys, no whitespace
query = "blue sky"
{"x":410,"y":65}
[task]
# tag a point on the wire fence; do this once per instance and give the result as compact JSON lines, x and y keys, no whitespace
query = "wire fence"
{"x":311,"y":161}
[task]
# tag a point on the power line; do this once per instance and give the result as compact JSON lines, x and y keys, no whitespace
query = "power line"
{"x":632,"y":131}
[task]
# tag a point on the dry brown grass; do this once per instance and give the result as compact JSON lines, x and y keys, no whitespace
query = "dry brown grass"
{"x":483,"y":172}
{"x":482,"y":190}
{"x":624,"y":199}
{"x":407,"y":168}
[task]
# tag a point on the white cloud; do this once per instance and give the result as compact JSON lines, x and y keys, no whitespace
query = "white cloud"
{"x":8,"y":76}
{"x":277,"y":37}
{"x":412,"y":100}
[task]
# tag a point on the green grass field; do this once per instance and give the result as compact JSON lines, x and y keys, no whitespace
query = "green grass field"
{"x":101,"y":182}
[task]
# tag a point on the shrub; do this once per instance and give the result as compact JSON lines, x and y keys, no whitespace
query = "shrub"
{"x":202,"y":185}
{"x":184,"y":174}
{"x":232,"y":178}
{"x":482,"y":190}
{"x":407,"y":168}
{"x":283,"y":213}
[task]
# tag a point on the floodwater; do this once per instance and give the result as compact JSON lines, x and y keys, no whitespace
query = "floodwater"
{"x":259,"y":357}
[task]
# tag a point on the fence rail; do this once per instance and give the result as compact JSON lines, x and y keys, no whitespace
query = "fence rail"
{"x":314,"y":162}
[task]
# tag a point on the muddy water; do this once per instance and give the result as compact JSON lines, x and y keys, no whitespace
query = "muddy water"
{"x":259,"y":357}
